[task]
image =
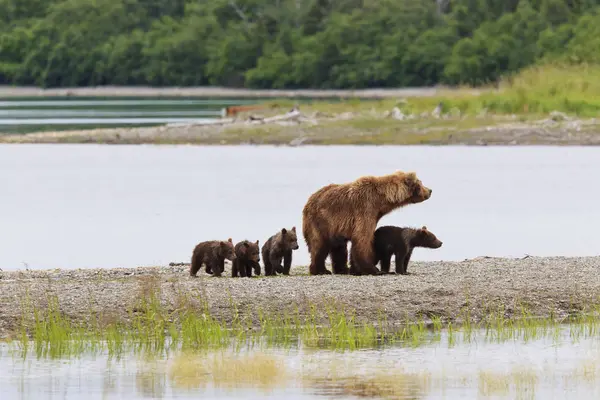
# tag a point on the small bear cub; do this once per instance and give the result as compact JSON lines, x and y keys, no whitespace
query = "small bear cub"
{"x":212,"y":253}
{"x":278,"y":247}
{"x":393,"y":240}
{"x":247,"y":258}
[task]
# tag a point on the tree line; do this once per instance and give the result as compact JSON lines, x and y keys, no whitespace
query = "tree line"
{"x":288,"y":43}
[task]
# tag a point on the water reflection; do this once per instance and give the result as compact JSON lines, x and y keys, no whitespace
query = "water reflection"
{"x":540,"y":368}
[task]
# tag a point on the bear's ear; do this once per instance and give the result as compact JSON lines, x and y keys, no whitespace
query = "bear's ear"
{"x":410,"y":177}
{"x":293,"y":229}
{"x":246,"y":244}
{"x":230,"y":240}
{"x":283,"y":231}
{"x":424,"y":228}
{"x":257,"y":242}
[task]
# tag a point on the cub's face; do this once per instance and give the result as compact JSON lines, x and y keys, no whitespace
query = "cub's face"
{"x":252,"y":251}
{"x":427,"y":239}
{"x":289,"y":238}
{"x":228,"y":250}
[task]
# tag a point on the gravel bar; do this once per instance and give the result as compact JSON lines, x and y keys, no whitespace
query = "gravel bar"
{"x":545,"y":285}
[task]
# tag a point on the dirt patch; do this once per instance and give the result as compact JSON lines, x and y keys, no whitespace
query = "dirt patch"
{"x":545,"y":285}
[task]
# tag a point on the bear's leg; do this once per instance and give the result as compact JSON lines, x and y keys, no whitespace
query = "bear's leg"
{"x":218,"y":266}
{"x":256,"y":267}
{"x":362,"y":254}
{"x":318,"y":255}
{"x":234,"y":269}
{"x":213,"y":266}
{"x":353,"y":269}
{"x":386,"y":260}
{"x":400,"y":257}
{"x":268,"y":267}
{"x":243,"y":271}
{"x":195,"y":267}
{"x":405,"y":263}
{"x":287,"y":262}
{"x":248,"y":268}
{"x":339,"y":259}
{"x":276,"y":264}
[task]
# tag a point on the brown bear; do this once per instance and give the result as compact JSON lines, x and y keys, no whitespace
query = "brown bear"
{"x":212,"y":253}
{"x":278,"y":247}
{"x":393,"y":240}
{"x":247,"y":258}
{"x":338,"y":213}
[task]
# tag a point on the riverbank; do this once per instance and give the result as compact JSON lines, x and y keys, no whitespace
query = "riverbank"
{"x":365,"y":123}
{"x":472,"y":289}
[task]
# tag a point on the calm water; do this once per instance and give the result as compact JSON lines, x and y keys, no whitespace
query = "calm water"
{"x":558,"y":367}
{"x":78,"y":206}
{"x":33,"y":114}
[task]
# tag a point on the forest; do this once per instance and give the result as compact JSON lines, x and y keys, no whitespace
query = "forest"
{"x":286,"y":44}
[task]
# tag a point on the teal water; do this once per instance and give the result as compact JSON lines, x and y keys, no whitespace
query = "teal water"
{"x":22,"y":115}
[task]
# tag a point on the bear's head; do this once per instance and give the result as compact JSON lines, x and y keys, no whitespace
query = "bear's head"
{"x":415,"y":188}
{"x":251,"y":251}
{"x":228,"y":250}
{"x":425,"y":238}
{"x":289,"y":238}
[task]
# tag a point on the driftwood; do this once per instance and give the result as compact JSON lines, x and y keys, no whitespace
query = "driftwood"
{"x":293,"y":114}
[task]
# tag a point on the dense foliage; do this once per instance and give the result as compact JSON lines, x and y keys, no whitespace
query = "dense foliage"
{"x":288,"y":43}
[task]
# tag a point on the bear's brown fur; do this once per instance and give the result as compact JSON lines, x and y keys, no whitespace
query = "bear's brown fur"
{"x":212,"y":253}
{"x":338,"y":213}
{"x":247,"y":258}
{"x":278,"y":247}
{"x":400,"y":242}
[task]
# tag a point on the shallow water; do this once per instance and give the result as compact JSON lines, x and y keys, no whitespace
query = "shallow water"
{"x":32,"y":114}
{"x":562,"y":366}
{"x":78,"y":206}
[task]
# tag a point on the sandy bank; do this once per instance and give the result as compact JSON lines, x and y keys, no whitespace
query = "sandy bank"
{"x":544,"y":285}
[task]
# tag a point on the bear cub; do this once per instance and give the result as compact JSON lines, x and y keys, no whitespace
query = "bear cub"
{"x":247,"y":258}
{"x":393,"y":240}
{"x":212,"y":253}
{"x":278,"y":247}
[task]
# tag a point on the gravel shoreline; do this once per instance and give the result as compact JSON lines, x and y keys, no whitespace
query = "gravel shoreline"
{"x":345,"y":128}
{"x":545,"y":285}
{"x":208,"y":91}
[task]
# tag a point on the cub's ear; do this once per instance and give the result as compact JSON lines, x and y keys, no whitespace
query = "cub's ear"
{"x":257,"y":242}
{"x":283,"y":231}
{"x":294,"y":229}
{"x":230,"y":240}
{"x":424,"y":228}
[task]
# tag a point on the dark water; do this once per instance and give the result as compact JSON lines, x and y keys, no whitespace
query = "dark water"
{"x":78,"y":206}
{"x":34,"y":114}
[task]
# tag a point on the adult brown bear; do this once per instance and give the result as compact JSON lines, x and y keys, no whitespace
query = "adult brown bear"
{"x":338,"y":213}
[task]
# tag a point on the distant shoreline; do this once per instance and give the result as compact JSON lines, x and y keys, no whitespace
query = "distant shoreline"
{"x":221,"y":92}
{"x":545,"y":286}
